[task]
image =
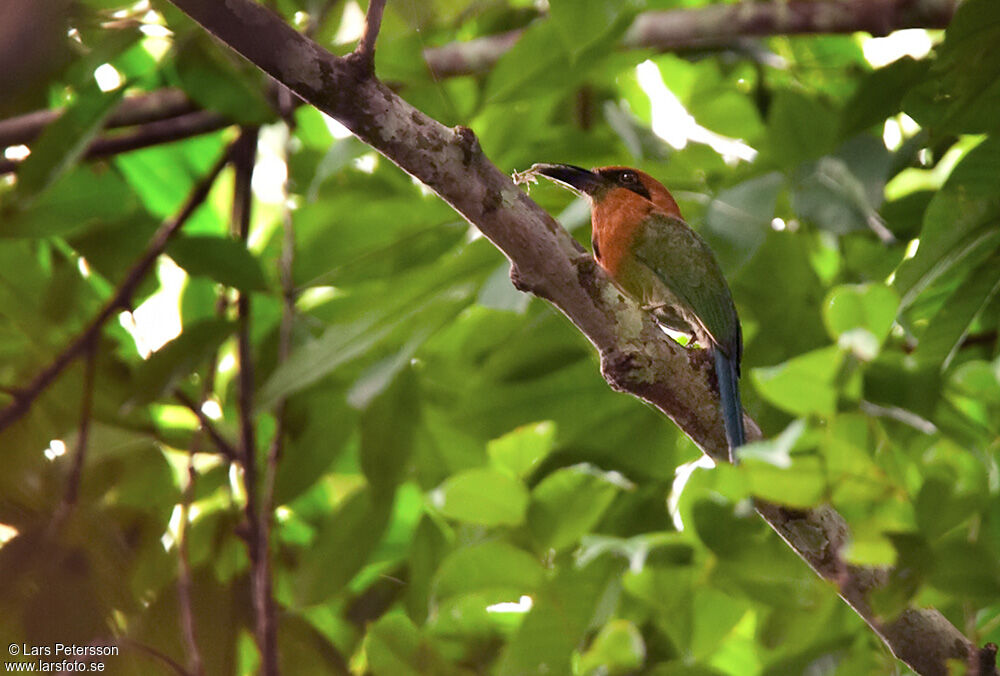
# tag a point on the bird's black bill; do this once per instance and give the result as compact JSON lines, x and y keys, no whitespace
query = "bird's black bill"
{"x":575,"y":178}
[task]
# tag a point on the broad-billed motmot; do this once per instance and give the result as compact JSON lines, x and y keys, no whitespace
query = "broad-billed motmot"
{"x":641,"y":240}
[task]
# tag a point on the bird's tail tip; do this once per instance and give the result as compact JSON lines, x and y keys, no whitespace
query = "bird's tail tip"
{"x":732,"y":408}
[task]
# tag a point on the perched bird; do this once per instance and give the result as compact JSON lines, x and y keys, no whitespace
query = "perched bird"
{"x":641,"y":240}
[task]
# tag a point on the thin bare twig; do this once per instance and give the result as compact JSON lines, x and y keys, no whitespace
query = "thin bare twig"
{"x":189,"y":631}
{"x":150,"y":134}
{"x":158,"y":105}
{"x":258,"y":533}
{"x":83,"y":432}
{"x":207,"y":426}
{"x":288,"y":295}
{"x":284,"y":349}
{"x":25,"y":396}
{"x":184,"y":582}
{"x":373,"y":23}
{"x":68,"y":502}
{"x":185,"y":587}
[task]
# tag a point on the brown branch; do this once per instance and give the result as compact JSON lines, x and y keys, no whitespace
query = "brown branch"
{"x":244,"y":156}
{"x":189,"y":632}
{"x":158,"y":105}
{"x":373,"y":23}
{"x":83,"y":431}
{"x":720,"y":25}
{"x":68,"y":502}
{"x":635,"y":356}
{"x":185,"y":587}
{"x":473,"y":56}
{"x":24,"y":396}
{"x":284,"y":350}
{"x":714,"y":25}
{"x":208,"y":427}
{"x":150,"y":134}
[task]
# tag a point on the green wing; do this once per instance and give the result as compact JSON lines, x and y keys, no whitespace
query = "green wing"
{"x":682,"y":261}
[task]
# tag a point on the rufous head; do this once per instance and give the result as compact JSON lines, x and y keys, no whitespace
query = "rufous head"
{"x":598,"y":183}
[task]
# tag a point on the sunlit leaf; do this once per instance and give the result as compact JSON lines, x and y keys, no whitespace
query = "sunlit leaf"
{"x":220,"y":258}
{"x":802,"y":385}
{"x":483,"y":496}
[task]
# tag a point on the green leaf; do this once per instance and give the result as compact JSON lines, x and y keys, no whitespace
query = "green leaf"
{"x":777,"y":450}
{"x":563,"y":610}
{"x":802,"y":385}
{"x":683,"y":668}
{"x":430,"y":543}
{"x":342,"y":547}
{"x":580,"y":23}
{"x":979,"y":379}
{"x":800,"y":128}
{"x":225,"y":260}
{"x":617,"y":648}
{"x":871,"y":307}
{"x":483,"y":496}
{"x":538,"y":66}
{"x":495,"y":569}
{"x":897,"y":380}
{"x":78,"y":200}
{"x":342,"y":343}
{"x":974,"y":389}
{"x":303,"y":648}
{"x":111,"y":247}
{"x":963,"y":88}
{"x":63,"y":142}
{"x":162,"y":176}
{"x":388,"y":425}
{"x":318,"y":424}
{"x":829,"y":194}
{"x":350,"y":237}
{"x":569,"y":502}
{"x":721,"y":529}
{"x":212,"y":79}
{"x":940,"y":507}
{"x":947,"y":329}
{"x":966,"y":569}
{"x":962,"y":218}
{"x":521,"y":450}
{"x":741,"y":217}
{"x":803,"y":484}
{"x":192,"y":349}
{"x":880,"y":94}
{"x":395,"y":647}
{"x":847,"y":450}
{"x":904,"y":216}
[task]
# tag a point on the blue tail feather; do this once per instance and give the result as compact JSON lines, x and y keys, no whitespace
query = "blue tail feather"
{"x":727,"y":373}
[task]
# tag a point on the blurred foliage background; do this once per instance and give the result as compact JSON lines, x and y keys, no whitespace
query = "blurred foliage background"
{"x":456,"y":489}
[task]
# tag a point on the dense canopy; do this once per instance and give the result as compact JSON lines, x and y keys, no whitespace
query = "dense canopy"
{"x":268,"y":402}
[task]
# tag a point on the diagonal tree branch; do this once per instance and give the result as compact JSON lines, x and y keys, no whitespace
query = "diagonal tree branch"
{"x":635,"y":356}
{"x":25,"y":396}
{"x":208,"y":427}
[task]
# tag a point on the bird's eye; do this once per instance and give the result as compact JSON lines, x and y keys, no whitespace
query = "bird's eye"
{"x":629,"y":177}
